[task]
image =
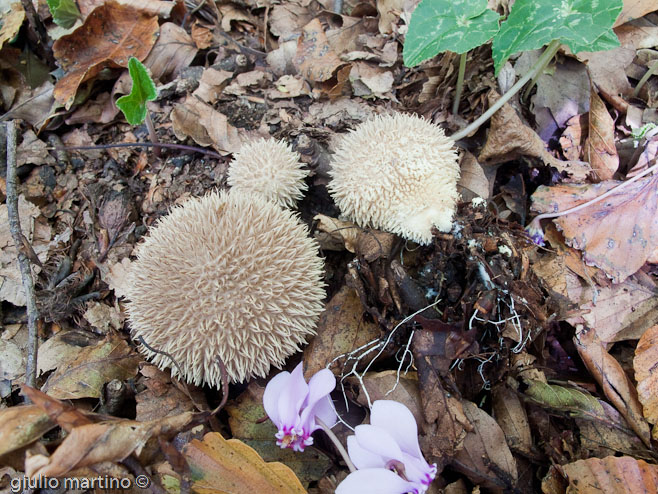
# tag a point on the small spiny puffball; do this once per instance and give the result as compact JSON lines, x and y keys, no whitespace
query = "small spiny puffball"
{"x":397,"y":173}
{"x":271,"y":168}
{"x":230,"y":275}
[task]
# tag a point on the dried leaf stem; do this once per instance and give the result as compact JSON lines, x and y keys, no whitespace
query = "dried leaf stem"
{"x":337,"y":443}
{"x":539,"y":65}
{"x":23,"y":260}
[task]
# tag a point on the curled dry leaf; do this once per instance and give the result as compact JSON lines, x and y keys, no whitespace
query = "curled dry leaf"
{"x":485,"y":457}
{"x":645,"y":365}
{"x":512,"y":418}
{"x":610,"y":475}
{"x":106,"y":441}
{"x":510,"y":138}
{"x":389,"y":385}
{"x":108,"y":38}
{"x":173,"y":51}
{"x":86,"y":374}
{"x":315,"y":59}
{"x":22,"y":425}
{"x":341,"y":329}
{"x":614,"y":381}
{"x":231,"y":467}
{"x":617,"y":234}
{"x":66,"y":416}
{"x":600,"y":148}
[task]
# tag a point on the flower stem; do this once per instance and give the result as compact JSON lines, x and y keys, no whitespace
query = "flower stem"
{"x":460,"y":83}
{"x":541,"y":62}
{"x":337,"y":443}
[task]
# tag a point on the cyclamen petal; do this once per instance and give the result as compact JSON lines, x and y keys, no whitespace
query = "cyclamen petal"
{"x":375,"y":481}
{"x":391,"y":441}
{"x":293,"y":405}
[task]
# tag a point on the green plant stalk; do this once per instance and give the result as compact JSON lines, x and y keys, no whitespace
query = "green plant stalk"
{"x":533,"y":82}
{"x":543,"y":60}
{"x":152,"y":134}
{"x":645,"y":78}
{"x":460,"y":83}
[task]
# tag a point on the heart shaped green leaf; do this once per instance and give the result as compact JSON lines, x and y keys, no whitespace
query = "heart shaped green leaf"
{"x":64,"y":12}
{"x":440,"y":25}
{"x":582,"y":25}
{"x":133,"y":105}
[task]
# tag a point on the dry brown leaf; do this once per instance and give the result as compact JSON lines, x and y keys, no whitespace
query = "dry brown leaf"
{"x":315,"y":59}
{"x":612,"y":378}
{"x":389,"y":385}
{"x":287,"y":19}
{"x":202,"y":35}
{"x":12,"y":16}
{"x":600,"y":150}
{"x":151,"y":7}
{"x":336,"y":234}
{"x":21,"y":425}
{"x":611,"y":475}
{"x":172,"y":52}
{"x":634,"y":9}
{"x":485,"y":457}
{"x":105,"y":441}
{"x":341,"y":329}
{"x":617,"y":234}
{"x":574,"y":136}
{"x":473,"y":179}
{"x":108,"y":38}
{"x":645,"y":365}
{"x":443,"y":412}
{"x":205,"y":125}
{"x":231,"y":467}
{"x":66,"y":416}
{"x":389,"y":13}
{"x":371,"y":81}
{"x":509,"y":138}
{"x":160,"y":397}
{"x":35,"y":106}
{"x":94,"y":366}
{"x":512,"y":419}
{"x":211,"y":84}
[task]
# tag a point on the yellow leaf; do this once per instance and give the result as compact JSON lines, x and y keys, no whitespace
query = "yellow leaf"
{"x":220,"y":466}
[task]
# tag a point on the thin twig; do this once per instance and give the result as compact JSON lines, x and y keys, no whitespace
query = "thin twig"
{"x":23,"y":261}
{"x":339,"y":446}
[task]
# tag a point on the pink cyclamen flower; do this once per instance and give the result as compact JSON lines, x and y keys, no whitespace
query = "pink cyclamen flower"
{"x":294,"y":405}
{"x":387,"y":455}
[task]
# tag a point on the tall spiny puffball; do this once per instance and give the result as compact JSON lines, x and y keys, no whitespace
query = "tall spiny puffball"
{"x":230,"y":275}
{"x":398,"y":173}
{"x":271,"y":168}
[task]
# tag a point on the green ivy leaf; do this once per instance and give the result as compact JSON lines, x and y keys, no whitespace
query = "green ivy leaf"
{"x":133,"y":105}
{"x":582,"y":25}
{"x":440,"y":25}
{"x":64,"y":12}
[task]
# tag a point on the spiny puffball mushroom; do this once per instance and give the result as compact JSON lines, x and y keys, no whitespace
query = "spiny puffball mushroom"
{"x":271,"y":168}
{"x":230,"y":275}
{"x":398,"y":173}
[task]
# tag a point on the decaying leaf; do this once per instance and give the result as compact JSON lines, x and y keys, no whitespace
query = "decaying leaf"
{"x":172,"y":52}
{"x":85,"y":376}
{"x":110,"y":35}
{"x":512,"y":419}
{"x":510,"y":138}
{"x":12,"y":16}
{"x":600,"y":148}
{"x":342,"y":328}
{"x":645,"y":365}
{"x":105,"y":441}
{"x":21,"y":425}
{"x":485,"y":457}
{"x":231,"y":467}
{"x":66,"y":416}
{"x":614,"y":381}
{"x":617,"y":234}
{"x":612,"y":475}
{"x":315,"y":59}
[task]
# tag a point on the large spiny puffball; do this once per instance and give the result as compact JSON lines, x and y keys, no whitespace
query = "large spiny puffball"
{"x":397,"y":173}
{"x":271,"y":168}
{"x":230,"y":275}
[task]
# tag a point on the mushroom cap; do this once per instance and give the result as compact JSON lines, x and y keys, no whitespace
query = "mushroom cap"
{"x":397,"y":173}
{"x":271,"y":168}
{"x":227,"y":275}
